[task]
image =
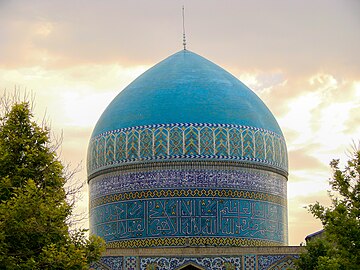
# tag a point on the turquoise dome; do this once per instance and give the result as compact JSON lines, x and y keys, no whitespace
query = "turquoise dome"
{"x":187,"y":155}
{"x":186,"y":88}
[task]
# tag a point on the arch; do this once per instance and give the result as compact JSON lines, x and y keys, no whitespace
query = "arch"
{"x":190,"y":266}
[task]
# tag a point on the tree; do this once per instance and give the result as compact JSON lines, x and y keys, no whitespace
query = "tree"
{"x":34,"y":209}
{"x":339,"y":246}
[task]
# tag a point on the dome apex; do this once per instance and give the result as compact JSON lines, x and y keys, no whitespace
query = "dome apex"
{"x":186,"y":88}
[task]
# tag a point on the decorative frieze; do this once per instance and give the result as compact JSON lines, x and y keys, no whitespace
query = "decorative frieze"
{"x":187,"y":141}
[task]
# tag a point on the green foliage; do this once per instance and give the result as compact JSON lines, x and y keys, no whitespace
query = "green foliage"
{"x":229,"y":266}
{"x":34,"y":233}
{"x":339,"y":247}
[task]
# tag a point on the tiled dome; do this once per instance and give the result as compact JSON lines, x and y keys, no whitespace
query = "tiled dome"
{"x":186,"y":88}
{"x":188,"y":155}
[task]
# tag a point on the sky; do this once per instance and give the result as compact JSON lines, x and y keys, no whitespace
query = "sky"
{"x":300,"y":57}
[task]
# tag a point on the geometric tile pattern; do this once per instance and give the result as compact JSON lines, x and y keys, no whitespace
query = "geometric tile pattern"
{"x":193,"y":242}
{"x":187,"y":141}
{"x":222,"y":185}
{"x":130,"y":263}
{"x":187,"y":193}
{"x":187,"y":177}
{"x":249,"y":262}
{"x":285,"y":264}
{"x":203,"y":202}
{"x":208,"y":263}
{"x":109,"y":263}
{"x":264,"y":262}
{"x":278,"y":262}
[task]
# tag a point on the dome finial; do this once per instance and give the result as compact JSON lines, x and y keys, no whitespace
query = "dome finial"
{"x":183,"y":20}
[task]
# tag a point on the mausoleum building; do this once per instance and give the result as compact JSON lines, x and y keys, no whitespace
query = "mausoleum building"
{"x":187,"y":169}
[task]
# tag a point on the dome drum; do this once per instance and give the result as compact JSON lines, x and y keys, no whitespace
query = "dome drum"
{"x":185,"y":204}
{"x":187,"y":155}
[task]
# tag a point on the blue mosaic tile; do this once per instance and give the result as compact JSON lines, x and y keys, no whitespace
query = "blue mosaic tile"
{"x":284,"y":264}
{"x":130,"y":263}
{"x":190,"y":217}
{"x":241,"y":179}
{"x":108,"y":263}
{"x":278,"y":262}
{"x":250,"y":262}
{"x":207,"y":263}
{"x":265,"y":262}
{"x":187,"y":141}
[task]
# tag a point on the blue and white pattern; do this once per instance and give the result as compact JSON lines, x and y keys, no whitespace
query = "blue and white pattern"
{"x":250,"y":262}
{"x":130,"y":263}
{"x":167,"y":202}
{"x":237,"y":179}
{"x":207,"y":263}
{"x":275,"y":261}
{"x":108,"y":263}
{"x":246,"y":262}
{"x":187,"y":141}
{"x":284,"y":264}
{"x":190,"y":217}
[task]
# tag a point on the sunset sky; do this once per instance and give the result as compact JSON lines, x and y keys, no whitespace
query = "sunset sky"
{"x":302,"y":58}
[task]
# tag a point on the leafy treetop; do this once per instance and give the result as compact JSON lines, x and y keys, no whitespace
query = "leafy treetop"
{"x":339,"y":246}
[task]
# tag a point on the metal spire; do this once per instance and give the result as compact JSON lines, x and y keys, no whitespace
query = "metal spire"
{"x":183,"y":19}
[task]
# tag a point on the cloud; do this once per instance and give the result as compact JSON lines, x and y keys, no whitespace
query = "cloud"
{"x":74,"y":96}
{"x":65,"y":33}
{"x":301,"y":159}
{"x":353,"y":121}
{"x":301,"y":222}
{"x":315,"y":111}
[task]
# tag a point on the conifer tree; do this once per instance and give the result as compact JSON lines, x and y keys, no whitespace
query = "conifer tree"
{"x":34,"y":210}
